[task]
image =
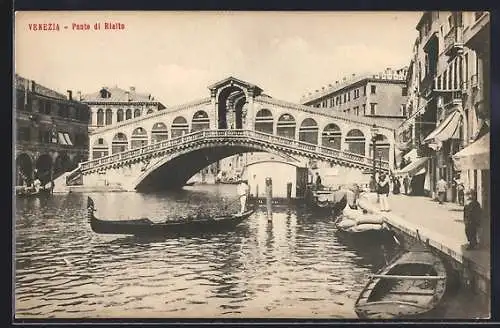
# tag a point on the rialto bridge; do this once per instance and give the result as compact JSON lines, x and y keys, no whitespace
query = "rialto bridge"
{"x":166,"y":148}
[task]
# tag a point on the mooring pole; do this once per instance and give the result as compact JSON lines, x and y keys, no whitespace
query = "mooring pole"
{"x":269,"y":198}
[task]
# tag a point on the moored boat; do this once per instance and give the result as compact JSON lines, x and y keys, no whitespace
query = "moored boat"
{"x":357,"y":221}
{"x":30,"y":192}
{"x":145,"y":226}
{"x":411,"y":286}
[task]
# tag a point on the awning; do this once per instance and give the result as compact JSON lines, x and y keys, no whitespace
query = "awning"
{"x":414,"y":168}
{"x":68,"y":139}
{"x":412,"y":155}
{"x":447,"y":129}
{"x":60,"y":138}
{"x":476,"y":156}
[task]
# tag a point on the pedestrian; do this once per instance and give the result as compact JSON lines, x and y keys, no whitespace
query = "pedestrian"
{"x":396,"y":186}
{"x":472,"y":218}
{"x":318,"y":181}
{"x":383,"y":192}
{"x":242,"y":194}
{"x":460,"y":192}
{"x":441,"y":186}
{"x":406,"y":184}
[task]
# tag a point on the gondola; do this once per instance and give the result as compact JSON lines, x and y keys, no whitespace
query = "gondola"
{"x":411,"y":286}
{"x":145,"y":226}
{"x":189,"y":184}
{"x":322,"y":202}
{"x":27,"y":192}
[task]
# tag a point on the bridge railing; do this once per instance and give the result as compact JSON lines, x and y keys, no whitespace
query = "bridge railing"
{"x":249,"y":134}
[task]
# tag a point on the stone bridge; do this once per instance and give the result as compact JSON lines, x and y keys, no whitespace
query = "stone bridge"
{"x":165,"y":148}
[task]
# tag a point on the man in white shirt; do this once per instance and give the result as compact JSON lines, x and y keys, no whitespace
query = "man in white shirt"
{"x":242,"y":194}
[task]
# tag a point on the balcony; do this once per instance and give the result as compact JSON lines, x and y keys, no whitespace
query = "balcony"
{"x":452,"y":99}
{"x":476,"y":36}
{"x":453,"y":42}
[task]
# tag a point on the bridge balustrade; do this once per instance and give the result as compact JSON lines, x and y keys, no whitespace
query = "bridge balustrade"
{"x":256,"y":135}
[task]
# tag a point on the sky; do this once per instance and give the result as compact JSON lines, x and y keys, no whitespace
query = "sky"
{"x":175,"y":56}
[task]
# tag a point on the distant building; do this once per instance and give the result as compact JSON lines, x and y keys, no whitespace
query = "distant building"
{"x":110,"y":106}
{"x":51,"y":132}
{"x":378,"y":95}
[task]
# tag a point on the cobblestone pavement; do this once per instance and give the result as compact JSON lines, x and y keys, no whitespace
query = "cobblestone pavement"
{"x":443,"y":222}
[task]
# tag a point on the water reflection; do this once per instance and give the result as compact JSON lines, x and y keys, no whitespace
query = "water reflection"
{"x":292,"y":266}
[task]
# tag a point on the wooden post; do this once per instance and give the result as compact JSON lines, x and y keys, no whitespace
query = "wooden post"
{"x":289,"y":191}
{"x":269,"y":198}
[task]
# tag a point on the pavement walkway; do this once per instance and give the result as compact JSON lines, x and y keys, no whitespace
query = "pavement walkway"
{"x":442,"y":224}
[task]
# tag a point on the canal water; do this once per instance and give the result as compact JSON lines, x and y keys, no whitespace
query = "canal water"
{"x":293,"y":266}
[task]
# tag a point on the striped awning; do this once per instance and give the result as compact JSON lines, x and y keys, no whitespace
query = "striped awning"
{"x":63,"y":138}
{"x":417,"y":167}
{"x":447,"y":129}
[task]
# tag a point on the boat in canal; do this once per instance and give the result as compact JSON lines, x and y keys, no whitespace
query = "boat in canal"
{"x":359,"y":221}
{"x":411,"y":286}
{"x":144,"y":226}
{"x":327,"y":202}
{"x":26,"y":192}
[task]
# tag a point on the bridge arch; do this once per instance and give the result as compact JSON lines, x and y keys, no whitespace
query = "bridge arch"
{"x":308,"y":131}
{"x":228,"y":113}
{"x":128,"y":114}
{"x":179,"y":127}
{"x":100,"y":117}
{"x":200,"y":121}
{"x":331,"y":136}
{"x":355,"y":142}
{"x":24,"y":168}
{"x":382,"y":147}
{"x":286,"y":126}
{"x":139,"y":138}
{"x":264,"y":121}
{"x":159,"y":132}
{"x":137,"y":112}
{"x":119,"y":115}
{"x":119,"y":143}
{"x":43,"y":168}
{"x":62,"y":163}
{"x":109,"y":116}
{"x":100,"y":148}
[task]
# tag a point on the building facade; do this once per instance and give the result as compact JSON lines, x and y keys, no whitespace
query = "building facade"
{"x":51,"y":132}
{"x":449,"y":100}
{"x":379,"y":95}
{"x":113,"y":105}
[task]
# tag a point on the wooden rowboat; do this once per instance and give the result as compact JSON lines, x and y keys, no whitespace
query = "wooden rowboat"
{"x":145,"y":226}
{"x":412,"y":286}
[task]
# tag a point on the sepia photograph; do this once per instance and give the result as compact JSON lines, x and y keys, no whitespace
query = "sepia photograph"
{"x":233,"y":164}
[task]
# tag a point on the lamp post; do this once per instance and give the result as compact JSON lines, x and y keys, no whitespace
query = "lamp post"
{"x":374,"y":131}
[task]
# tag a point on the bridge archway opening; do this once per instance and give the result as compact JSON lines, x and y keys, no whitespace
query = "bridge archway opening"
{"x":331,"y":136}
{"x":43,"y":168}
{"x":355,"y":141}
{"x":308,"y":131}
{"x":109,"y":117}
{"x":286,"y":126}
{"x":150,"y":111}
{"x":24,"y":169}
{"x":119,"y":115}
{"x":128,"y":114}
{"x":264,"y":121}
{"x":228,"y":114}
{"x":179,"y":127}
{"x":159,"y":132}
{"x":137,"y":112}
{"x":119,"y":143}
{"x":382,"y":148}
{"x":139,"y":138}
{"x":62,"y":164}
{"x":200,"y":121}
{"x":100,"y":148}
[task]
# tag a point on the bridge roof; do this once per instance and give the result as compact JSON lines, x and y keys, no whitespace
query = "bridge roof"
{"x":233,"y":79}
{"x":383,"y":122}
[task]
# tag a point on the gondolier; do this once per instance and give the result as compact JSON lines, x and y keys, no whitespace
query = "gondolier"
{"x":242,"y":194}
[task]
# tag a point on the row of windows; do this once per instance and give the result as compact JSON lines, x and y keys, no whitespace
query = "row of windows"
{"x":345,"y":97}
{"x":106,"y":118}
{"x":50,"y":108}
{"x":49,"y":136}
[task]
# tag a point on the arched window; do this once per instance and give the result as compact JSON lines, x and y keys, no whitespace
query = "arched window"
{"x":179,"y":127}
{"x":137,"y":112}
{"x":286,"y":126}
{"x":355,"y":141}
{"x":139,"y":138}
{"x":150,"y":111}
{"x":308,"y":131}
{"x":109,"y":116}
{"x":128,"y":114}
{"x":119,"y":144}
{"x":264,"y":121}
{"x":200,"y":121}
{"x":159,"y":132}
{"x":100,"y":117}
{"x":331,"y":136}
{"x":119,"y":115}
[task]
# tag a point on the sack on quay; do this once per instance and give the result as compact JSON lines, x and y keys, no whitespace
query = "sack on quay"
{"x":367,"y":227}
{"x":370,"y":219}
{"x":346,"y":223}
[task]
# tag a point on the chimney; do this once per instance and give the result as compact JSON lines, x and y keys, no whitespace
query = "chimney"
{"x":128,"y":95}
{"x":343,"y":79}
{"x":353,"y":75}
{"x":79,"y":96}
{"x":132,"y":89}
{"x":70,"y":94}
{"x":330,"y":85}
{"x":33,"y":85}
{"x":336,"y":82}
{"x":322,"y":88}
{"x":149,"y":97}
